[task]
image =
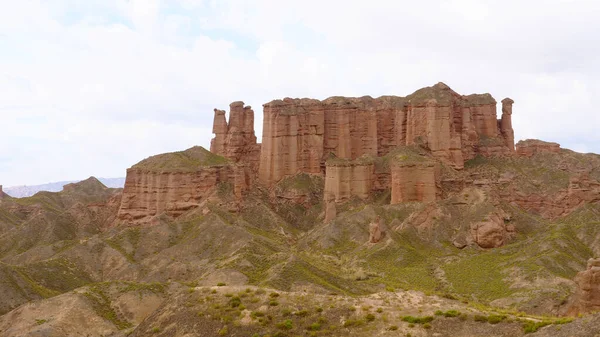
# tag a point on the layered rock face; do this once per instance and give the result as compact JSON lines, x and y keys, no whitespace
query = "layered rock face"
{"x":299,"y":134}
{"x":587,"y":297}
{"x":173,"y":184}
{"x":529,"y":147}
{"x":346,"y":179}
{"x":414,"y":181}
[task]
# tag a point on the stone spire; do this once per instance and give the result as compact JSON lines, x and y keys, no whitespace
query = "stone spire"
{"x":506,"y":123}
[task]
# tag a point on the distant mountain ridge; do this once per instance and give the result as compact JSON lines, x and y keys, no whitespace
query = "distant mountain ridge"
{"x":27,"y":191}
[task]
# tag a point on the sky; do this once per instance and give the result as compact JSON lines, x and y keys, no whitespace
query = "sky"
{"x":90,"y":87}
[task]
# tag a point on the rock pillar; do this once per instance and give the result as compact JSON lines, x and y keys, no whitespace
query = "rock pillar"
{"x":506,"y":124}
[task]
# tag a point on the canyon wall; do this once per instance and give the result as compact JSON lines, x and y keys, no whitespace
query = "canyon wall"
{"x":299,"y":134}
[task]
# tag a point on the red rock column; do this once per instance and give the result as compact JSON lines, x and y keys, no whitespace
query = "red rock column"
{"x":217,"y":144}
{"x":506,"y":124}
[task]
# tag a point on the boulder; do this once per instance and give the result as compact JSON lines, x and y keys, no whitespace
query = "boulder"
{"x":493,"y":231}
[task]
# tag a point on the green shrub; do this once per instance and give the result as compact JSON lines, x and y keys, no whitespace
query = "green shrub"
{"x":452,"y":313}
{"x":223,"y":331}
{"x":417,"y":320}
{"x":480,"y":318}
{"x":353,"y":322}
{"x":392,"y":328}
{"x":315,"y":326}
{"x":495,"y":319}
{"x":426,"y":326}
{"x":221,"y":284}
{"x":235,"y":302}
{"x":273,"y":303}
{"x":370,"y":318}
{"x":285,"y":325}
{"x":301,"y":313}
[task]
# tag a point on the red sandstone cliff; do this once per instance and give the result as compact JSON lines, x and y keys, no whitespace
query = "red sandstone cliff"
{"x":173,"y":183}
{"x":299,"y":134}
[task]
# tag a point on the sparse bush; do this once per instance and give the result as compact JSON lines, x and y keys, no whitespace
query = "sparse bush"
{"x":274,"y":295}
{"x":426,"y":326}
{"x":479,"y":318}
{"x":452,"y":313}
{"x":495,"y":319}
{"x":301,"y":313}
{"x":223,"y":331}
{"x":315,"y":326}
{"x":155,"y":329}
{"x":273,"y":303}
{"x":353,"y":322}
{"x":285,"y":325}
{"x":221,"y":284}
{"x":379,"y":310}
{"x":392,"y":328}
{"x":235,"y":302}
{"x":417,"y":320}
{"x":370,"y":318}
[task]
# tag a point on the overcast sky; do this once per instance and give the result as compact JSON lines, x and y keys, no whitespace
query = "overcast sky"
{"x":90,"y":87}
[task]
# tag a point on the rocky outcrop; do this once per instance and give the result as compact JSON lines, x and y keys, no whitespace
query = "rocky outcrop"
{"x":530,"y":147}
{"x":494,"y":231}
{"x":375,"y":231}
{"x":413,"y":179}
{"x":345,"y":179}
{"x":174,"y":183}
{"x":587,"y":297}
{"x":236,"y":140}
{"x":299,"y":134}
{"x":1,"y":192}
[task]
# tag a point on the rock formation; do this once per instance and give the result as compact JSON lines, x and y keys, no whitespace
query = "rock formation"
{"x":174,"y":183}
{"x":413,"y":179}
{"x":506,"y":124}
{"x":587,"y":297}
{"x":345,"y":179}
{"x":493,"y":231}
{"x":1,"y":192}
{"x":299,"y":134}
{"x":529,"y":147}
{"x":236,"y":140}
{"x":375,"y":231}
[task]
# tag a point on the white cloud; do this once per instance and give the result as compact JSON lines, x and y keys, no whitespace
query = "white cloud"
{"x":102,"y":84}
